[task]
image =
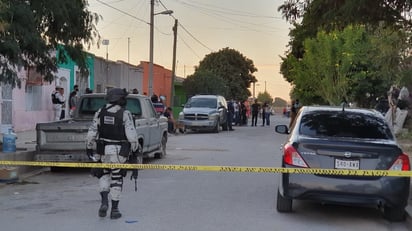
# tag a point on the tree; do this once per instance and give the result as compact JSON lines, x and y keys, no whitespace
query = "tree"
{"x":235,"y":69}
{"x":279,"y":102}
{"x":205,"y":82}
{"x":265,"y":97}
{"x":32,"y":31}
{"x":353,"y":64}
{"x":312,"y":16}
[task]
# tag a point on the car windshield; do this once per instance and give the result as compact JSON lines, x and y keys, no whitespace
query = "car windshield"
{"x":344,"y":124}
{"x":202,"y":102}
{"x":91,"y":105}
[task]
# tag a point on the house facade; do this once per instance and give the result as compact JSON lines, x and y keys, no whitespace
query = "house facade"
{"x":162,"y":80}
{"x":30,"y":104}
{"x":22,"y":108}
{"x":109,"y":74}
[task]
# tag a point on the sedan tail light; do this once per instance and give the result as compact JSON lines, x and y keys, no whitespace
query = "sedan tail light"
{"x":292,"y":157}
{"x":401,"y":163}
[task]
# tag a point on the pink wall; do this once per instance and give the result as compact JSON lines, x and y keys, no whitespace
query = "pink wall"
{"x":24,"y":120}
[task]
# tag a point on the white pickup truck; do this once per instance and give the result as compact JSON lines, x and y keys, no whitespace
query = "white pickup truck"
{"x":65,"y":140}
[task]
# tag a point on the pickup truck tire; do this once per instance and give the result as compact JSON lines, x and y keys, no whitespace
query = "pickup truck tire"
{"x":162,"y":149}
{"x":216,"y":128}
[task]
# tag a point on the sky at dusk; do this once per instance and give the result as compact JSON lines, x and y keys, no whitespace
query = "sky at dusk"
{"x":254,"y":28}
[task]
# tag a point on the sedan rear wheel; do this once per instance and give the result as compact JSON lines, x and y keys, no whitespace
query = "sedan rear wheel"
{"x":394,"y":213}
{"x":283,"y":205}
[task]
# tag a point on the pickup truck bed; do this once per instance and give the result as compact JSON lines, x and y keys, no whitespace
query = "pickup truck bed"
{"x":65,"y":140}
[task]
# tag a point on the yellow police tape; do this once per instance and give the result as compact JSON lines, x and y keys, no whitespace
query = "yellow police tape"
{"x":214,"y":168}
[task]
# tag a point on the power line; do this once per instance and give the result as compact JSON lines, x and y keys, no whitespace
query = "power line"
{"x":187,"y":31}
{"x":222,"y":15}
{"x":180,"y":24}
{"x":226,"y":11}
{"x":124,"y":12}
{"x":190,"y":34}
{"x":187,"y":45}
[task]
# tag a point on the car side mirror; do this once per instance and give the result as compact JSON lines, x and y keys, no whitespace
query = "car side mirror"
{"x":282,"y":129}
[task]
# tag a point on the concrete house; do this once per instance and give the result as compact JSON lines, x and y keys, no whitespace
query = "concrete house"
{"x":22,"y":108}
{"x":109,"y":74}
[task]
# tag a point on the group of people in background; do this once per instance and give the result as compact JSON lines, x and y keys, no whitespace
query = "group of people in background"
{"x":59,"y":101}
{"x":238,"y":113}
{"x":264,"y":110}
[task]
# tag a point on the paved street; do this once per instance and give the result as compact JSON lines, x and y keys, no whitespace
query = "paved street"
{"x":183,"y":201}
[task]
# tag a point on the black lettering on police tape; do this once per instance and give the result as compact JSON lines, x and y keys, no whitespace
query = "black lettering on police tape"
{"x":214,"y":168}
{"x":265,"y":170}
{"x":224,"y":169}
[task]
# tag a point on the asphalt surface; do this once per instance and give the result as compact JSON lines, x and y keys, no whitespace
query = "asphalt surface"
{"x":26,"y":145}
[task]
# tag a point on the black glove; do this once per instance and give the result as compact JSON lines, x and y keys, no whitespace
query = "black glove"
{"x":89,"y":153}
{"x":135,"y":173}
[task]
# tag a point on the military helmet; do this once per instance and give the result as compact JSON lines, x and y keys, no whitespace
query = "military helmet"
{"x":115,"y":95}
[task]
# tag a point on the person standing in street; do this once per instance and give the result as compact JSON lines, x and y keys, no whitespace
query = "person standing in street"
{"x":230,"y":114}
{"x":236,"y":104}
{"x":243,"y":113}
{"x":170,"y":120}
{"x":58,"y":101}
{"x":294,"y":111}
{"x":255,"y":112}
{"x":115,"y":135}
{"x":267,"y":114}
{"x":264,"y":109}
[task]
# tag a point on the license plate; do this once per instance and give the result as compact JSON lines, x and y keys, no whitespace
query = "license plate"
{"x":346,"y":164}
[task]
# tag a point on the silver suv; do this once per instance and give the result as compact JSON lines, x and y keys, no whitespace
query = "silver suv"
{"x":205,"y":112}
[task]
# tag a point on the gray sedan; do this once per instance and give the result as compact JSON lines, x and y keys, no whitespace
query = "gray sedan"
{"x":343,"y":138}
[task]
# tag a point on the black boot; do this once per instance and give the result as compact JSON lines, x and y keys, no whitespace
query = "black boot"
{"x":115,"y":213}
{"x":105,"y":204}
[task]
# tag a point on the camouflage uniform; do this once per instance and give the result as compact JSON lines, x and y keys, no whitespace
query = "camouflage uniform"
{"x":112,"y":180}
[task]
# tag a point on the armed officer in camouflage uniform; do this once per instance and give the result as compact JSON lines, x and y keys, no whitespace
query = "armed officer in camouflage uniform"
{"x":115,"y":136}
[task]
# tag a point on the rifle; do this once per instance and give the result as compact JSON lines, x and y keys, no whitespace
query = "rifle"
{"x":135,"y":172}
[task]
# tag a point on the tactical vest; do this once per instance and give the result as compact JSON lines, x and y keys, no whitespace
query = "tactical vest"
{"x":111,"y":125}
{"x":55,"y":100}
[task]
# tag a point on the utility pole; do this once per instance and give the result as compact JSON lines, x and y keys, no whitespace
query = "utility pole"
{"x":151,"y":48}
{"x":254,"y":90}
{"x":152,"y":14}
{"x":172,"y":88}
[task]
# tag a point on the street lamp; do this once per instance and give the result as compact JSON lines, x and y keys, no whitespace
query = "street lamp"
{"x":106,"y":42}
{"x":152,"y":14}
